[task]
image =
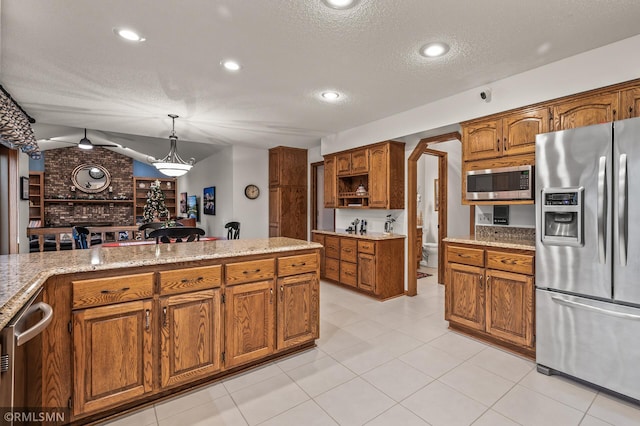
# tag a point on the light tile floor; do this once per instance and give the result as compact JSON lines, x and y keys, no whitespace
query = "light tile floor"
{"x":391,"y":363}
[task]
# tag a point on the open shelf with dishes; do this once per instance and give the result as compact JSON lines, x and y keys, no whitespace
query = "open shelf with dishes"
{"x":353,"y":191}
{"x":36,"y":199}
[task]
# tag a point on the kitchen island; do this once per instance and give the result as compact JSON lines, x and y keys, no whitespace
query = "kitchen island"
{"x":134,"y":324}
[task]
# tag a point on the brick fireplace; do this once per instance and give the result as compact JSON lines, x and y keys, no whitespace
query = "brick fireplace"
{"x":59,"y":165}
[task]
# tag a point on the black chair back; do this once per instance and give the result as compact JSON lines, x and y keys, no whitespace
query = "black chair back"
{"x":233,"y":230}
{"x":178,"y":233}
{"x":80,"y":236}
{"x":148,"y":227}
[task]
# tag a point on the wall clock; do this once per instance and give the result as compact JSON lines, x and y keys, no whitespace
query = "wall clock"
{"x":252,"y":192}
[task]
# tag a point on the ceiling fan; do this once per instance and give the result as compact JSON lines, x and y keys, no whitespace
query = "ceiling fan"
{"x":85,"y":143}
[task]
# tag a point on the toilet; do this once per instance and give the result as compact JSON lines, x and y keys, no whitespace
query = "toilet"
{"x":432,"y":254}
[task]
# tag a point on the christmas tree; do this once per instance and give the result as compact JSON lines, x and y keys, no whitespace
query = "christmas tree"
{"x":155,"y":207}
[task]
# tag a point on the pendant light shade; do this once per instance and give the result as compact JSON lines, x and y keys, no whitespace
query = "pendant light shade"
{"x":173,"y":165}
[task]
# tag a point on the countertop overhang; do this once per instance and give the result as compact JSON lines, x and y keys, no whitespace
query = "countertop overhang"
{"x":24,"y":274}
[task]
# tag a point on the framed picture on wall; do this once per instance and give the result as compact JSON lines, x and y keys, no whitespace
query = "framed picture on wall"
{"x":436,"y":195}
{"x":192,"y":208}
{"x":183,"y":202}
{"x":24,"y":188}
{"x":209,"y":200}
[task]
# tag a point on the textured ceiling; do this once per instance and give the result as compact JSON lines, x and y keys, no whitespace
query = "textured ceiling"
{"x":62,"y":62}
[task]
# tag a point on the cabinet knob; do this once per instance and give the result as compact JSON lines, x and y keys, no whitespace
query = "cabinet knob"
{"x":164,"y":316}
{"x":147,"y":319}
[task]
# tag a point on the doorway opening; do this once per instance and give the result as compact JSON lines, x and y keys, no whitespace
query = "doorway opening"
{"x":441,"y":200}
{"x":322,"y":219}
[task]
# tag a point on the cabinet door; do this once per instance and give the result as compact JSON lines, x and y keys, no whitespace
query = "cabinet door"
{"x":360,"y":161}
{"x":319,"y":238}
{"x":249,"y":322}
{"x":343,"y":164}
{"x":332,"y":269}
{"x":274,"y":167}
{"x":298,"y":306}
{"x":630,"y":103}
{"x":378,"y":176}
{"x":519,"y":131}
{"x":482,"y":140}
{"x":190,"y":336}
{"x":594,"y":109}
{"x":274,"y":212}
{"x":293,"y":212}
{"x":112,"y":357}
{"x":367,"y":272}
{"x":465,"y":296}
{"x":330,"y":182}
{"x":510,"y":307}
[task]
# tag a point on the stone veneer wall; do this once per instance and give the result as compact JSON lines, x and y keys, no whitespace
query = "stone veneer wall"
{"x":58,"y":166}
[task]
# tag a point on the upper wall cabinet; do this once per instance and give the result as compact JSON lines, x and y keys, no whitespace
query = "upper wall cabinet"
{"x":287,"y":166}
{"x":368,"y":177}
{"x":585,"y":111}
{"x":630,"y":103}
{"x":352,"y":162}
{"x":512,"y":134}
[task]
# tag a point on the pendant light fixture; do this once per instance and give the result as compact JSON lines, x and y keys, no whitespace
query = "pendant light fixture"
{"x":172,"y":165}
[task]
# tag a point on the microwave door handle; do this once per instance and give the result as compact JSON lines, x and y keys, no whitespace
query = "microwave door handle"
{"x":602,"y":202}
{"x":622,"y":210}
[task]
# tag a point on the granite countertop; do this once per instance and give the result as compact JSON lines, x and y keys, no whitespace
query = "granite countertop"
{"x":25,"y":273}
{"x":522,"y":243}
{"x":367,"y":236}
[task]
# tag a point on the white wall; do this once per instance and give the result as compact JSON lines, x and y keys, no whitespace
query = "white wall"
{"x":230,"y":170}
{"x":519,"y":216}
{"x":250,"y":166}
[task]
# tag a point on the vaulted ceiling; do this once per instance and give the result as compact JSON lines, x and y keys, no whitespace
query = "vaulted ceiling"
{"x":62,"y":61}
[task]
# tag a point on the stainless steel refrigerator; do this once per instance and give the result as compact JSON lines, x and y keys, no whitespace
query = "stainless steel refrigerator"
{"x":588,"y":254}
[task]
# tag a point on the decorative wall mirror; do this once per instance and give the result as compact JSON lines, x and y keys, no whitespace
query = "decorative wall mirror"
{"x":90,"y":178}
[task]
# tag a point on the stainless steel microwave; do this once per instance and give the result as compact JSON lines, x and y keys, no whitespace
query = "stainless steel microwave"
{"x":504,"y":183}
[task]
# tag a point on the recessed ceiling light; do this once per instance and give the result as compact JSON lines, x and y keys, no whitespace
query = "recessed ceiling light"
{"x":433,"y":50}
{"x":128,"y":34}
{"x":230,"y":65}
{"x":340,"y":4}
{"x":330,"y":95}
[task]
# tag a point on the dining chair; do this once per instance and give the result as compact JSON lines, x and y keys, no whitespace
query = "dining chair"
{"x":79,"y":234}
{"x":177,"y":233}
{"x":148,"y":227}
{"x":233,"y":230}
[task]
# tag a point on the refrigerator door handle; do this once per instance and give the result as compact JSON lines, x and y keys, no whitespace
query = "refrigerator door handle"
{"x":602,"y":203}
{"x":571,"y":303}
{"x":622,"y":210}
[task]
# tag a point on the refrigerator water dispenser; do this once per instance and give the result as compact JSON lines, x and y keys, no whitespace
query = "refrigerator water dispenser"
{"x":562,"y":221}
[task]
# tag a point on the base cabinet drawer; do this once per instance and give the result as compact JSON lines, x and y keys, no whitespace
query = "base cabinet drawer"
{"x":190,"y":279}
{"x":349,"y":274}
{"x":106,"y":291}
{"x":243,"y":272}
{"x":292,"y":265}
{"x":332,"y":247}
{"x":332,"y":269}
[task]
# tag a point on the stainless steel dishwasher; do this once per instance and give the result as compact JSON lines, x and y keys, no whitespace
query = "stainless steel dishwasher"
{"x":23,"y":327}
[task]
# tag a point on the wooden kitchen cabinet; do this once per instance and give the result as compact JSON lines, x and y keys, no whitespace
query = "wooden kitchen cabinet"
{"x":190,"y":336}
{"x":630,"y":103}
{"x":319,"y":238}
{"x":249,"y":322}
{"x":489,"y":293}
{"x":112,"y":355}
{"x":510,"y":306}
{"x":373,"y":266}
{"x":288,"y":192}
{"x":585,"y":111}
{"x":330,"y":182}
{"x":352,"y":162}
{"x":297,"y":310}
{"x":465,"y":296}
{"x":379,"y":168}
{"x":511,"y":134}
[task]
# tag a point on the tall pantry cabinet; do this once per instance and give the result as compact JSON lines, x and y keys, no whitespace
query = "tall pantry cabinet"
{"x":288,"y":192}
